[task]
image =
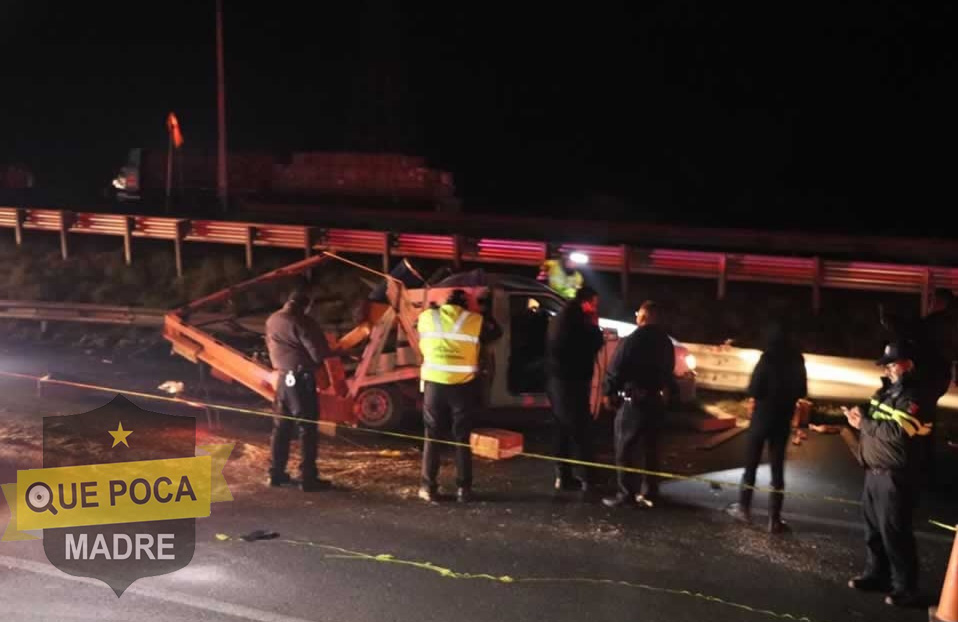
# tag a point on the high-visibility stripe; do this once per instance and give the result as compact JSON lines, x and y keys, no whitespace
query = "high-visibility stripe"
{"x":449,"y":336}
{"x":908,"y":423}
{"x":460,"y":321}
{"x":462,"y":369}
{"x":899,"y":413}
{"x":909,"y":428}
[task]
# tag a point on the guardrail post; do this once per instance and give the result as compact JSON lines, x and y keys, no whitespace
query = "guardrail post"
{"x":387,"y":247}
{"x":19,"y":216}
{"x":816,"y":284}
{"x":250,"y":236}
{"x":182,"y":226}
{"x":722,"y":276}
{"x":926,"y":283}
{"x":457,"y":251}
{"x":309,"y":236}
{"x":626,"y":272}
{"x":309,"y":240}
{"x":66,"y":219}
{"x":128,"y":240}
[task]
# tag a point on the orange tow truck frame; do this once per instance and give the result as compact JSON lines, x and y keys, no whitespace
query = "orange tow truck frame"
{"x":229,"y":364}
{"x":386,"y":374}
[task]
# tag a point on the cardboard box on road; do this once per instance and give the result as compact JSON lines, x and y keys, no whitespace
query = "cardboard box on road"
{"x":495,"y":444}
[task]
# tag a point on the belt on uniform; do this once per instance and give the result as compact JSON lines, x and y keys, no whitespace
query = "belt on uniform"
{"x":637,"y":395}
{"x":299,"y":370}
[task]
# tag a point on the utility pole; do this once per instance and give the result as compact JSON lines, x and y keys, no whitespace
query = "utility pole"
{"x":221,"y":184}
{"x":169,"y":168}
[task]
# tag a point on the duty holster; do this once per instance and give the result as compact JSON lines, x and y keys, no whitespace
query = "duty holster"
{"x":631,"y":393}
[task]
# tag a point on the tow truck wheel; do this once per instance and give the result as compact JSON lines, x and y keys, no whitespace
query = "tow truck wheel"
{"x":379,"y":408}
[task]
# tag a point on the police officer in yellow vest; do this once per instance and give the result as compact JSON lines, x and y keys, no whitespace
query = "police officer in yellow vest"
{"x":450,"y":337}
{"x":561,"y":275}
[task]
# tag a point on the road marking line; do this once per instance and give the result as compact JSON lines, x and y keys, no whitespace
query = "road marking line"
{"x":170,"y":596}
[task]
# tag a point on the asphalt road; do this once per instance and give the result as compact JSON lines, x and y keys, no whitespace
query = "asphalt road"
{"x":360,"y":553}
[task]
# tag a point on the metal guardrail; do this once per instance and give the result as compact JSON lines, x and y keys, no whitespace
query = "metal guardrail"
{"x":78,"y":312}
{"x":812,"y":272}
{"x":724,"y":368}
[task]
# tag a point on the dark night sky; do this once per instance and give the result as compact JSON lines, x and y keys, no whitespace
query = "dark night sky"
{"x":771,"y":113}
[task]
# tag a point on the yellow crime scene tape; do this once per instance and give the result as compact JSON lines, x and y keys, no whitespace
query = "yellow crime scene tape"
{"x":448,"y":573}
{"x":451,"y":574}
{"x":952,"y":528}
{"x":414,"y":437}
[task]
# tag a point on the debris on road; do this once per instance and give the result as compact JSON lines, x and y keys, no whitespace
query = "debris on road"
{"x":173,"y":387}
{"x":259,"y":534}
{"x":825,"y":429}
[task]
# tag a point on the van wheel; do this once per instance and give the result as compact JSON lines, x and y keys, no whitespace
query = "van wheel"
{"x":378,"y":408}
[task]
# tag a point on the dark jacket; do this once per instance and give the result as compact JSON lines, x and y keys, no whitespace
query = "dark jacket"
{"x":778,"y":381}
{"x":645,"y":360}
{"x":295,"y":340}
{"x":891,"y":426}
{"x":490,"y":331}
{"x":572,"y":343}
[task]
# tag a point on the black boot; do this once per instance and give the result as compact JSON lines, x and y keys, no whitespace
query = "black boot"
{"x":775,"y":522}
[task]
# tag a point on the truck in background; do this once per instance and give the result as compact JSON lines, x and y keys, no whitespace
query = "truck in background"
{"x":359,"y":179}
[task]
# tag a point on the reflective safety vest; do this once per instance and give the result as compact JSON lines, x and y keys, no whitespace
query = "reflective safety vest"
{"x":449,"y":342}
{"x":566,"y":284}
{"x":910,"y":424}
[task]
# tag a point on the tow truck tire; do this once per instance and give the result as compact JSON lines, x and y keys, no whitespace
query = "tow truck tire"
{"x":379,"y":408}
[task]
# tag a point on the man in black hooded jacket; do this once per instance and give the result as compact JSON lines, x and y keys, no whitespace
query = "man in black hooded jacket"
{"x":574,"y":339}
{"x":778,"y":381}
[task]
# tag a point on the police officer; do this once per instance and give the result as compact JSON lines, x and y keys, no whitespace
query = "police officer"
{"x":639,"y":380}
{"x":297,"y":347}
{"x":574,"y":339}
{"x":450,"y":337}
{"x":888,"y":452}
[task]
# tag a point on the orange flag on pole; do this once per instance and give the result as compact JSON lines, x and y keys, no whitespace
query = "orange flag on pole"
{"x":174,"y":128}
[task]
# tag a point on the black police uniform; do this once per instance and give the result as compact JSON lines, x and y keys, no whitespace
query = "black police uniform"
{"x":888,"y":451}
{"x":297,"y":347}
{"x":571,"y":348}
{"x":640,"y":375}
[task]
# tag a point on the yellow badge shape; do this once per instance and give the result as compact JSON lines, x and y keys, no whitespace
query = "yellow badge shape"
{"x":10,"y":534}
{"x":122,"y":492}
